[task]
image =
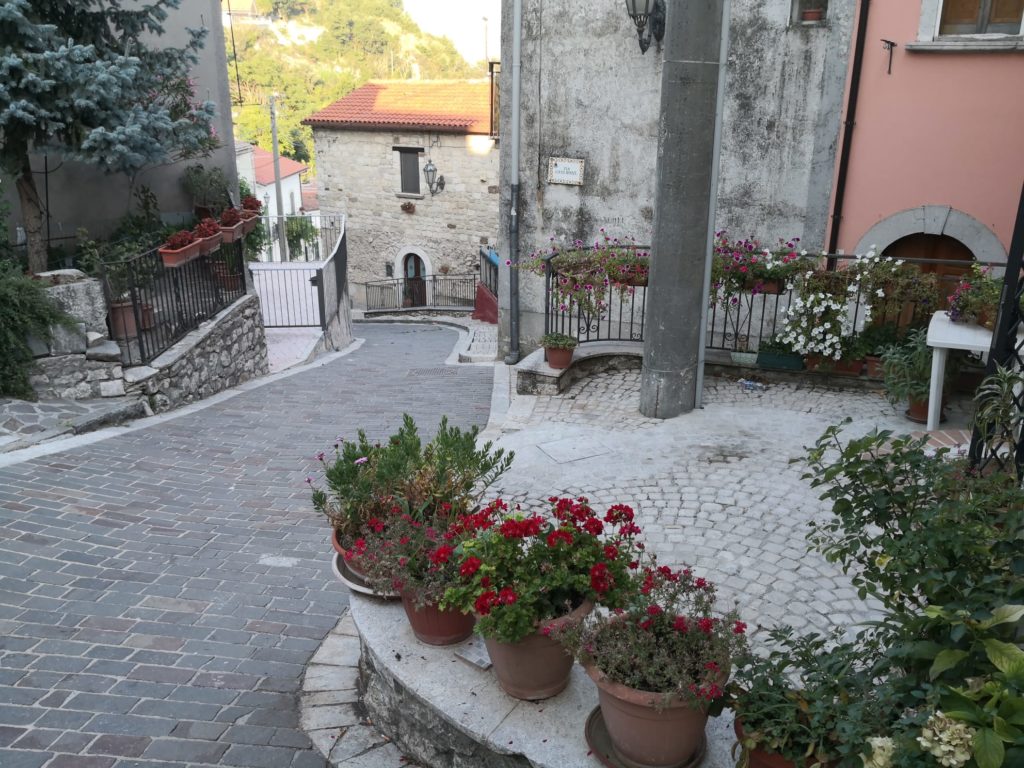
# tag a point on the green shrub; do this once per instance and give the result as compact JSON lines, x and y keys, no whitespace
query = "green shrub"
{"x":25,"y":308}
{"x":558,"y":341}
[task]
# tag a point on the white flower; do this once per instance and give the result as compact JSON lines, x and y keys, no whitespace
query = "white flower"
{"x":882,"y":749}
{"x":880,"y":293}
{"x":948,"y":741}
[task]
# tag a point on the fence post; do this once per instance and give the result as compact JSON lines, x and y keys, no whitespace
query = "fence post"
{"x":318,"y":279}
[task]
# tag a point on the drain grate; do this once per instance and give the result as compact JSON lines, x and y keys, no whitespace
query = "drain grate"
{"x":446,"y":371}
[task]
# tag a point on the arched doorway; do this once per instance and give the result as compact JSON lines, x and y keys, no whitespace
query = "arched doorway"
{"x":937,"y":249}
{"x":415,"y":288}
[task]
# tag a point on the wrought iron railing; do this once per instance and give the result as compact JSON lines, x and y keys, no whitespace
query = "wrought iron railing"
{"x":448,"y":292}
{"x":755,"y":316}
{"x":153,"y":305}
{"x":1001,"y":445}
{"x":489,"y":270}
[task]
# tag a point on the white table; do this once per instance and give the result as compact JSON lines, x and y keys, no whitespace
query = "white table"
{"x":944,"y":335}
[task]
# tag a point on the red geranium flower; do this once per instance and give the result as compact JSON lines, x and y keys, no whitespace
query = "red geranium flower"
{"x":470,"y":566}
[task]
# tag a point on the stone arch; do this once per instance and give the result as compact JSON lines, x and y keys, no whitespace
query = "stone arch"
{"x":418,"y":250}
{"x":936,"y":220}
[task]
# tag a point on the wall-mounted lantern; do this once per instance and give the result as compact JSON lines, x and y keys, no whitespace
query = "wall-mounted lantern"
{"x":649,"y":17}
{"x":434,"y":182}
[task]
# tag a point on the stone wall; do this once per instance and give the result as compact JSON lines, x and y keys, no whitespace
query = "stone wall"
{"x":222,"y":353}
{"x":360,"y":177}
{"x":783,"y":100}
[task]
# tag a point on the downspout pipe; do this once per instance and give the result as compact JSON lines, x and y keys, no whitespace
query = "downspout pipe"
{"x":851,"y":117}
{"x":513,"y":220}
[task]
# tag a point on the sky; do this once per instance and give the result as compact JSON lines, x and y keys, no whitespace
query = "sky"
{"x":463,"y":22}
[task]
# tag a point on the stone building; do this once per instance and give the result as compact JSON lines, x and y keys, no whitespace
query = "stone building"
{"x":371,"y":148}
{"x":588,"y":93}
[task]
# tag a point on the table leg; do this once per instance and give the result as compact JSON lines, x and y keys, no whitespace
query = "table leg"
{"x":939,"y":355}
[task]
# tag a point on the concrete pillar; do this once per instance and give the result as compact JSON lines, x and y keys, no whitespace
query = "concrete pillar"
{"x":684,"y":213}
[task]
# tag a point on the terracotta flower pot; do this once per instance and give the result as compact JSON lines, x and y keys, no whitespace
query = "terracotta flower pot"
{"x":849,"y":367}
{"x":558,"y":358}
{"x":210,"y":244}
{"x":874,"y":367}
{"x":759,"y":758}
{"x":226,"y":279}
{"x":917,"y":411}
{"x":122,"y":320}
{"x":175,"y":257}
{"x":350,"y":560}
{"x":536,"y":667}
{"x":232,"y":233}
{"x":645,"y":732}
{"x":812,"y":15}
{"x":435,"y":626}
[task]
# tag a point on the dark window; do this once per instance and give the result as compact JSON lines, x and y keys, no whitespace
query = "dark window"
{"x":810,"y":10}
{"x":410,"y":163}
{"x":975,"y":17}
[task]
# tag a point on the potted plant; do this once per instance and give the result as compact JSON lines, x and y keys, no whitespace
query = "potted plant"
{"x":558,"y":349}
{"x":180,"y":248}
{"x":231,"y":224}
{"x":408,"y":207}
{"x":209,"y":235}
{"x":976,"y":298}
{"x":208,"y":188}
{"x":813,"y":10}
{"x":851,"y":361}
{"x":583,"y":275}
{"x":226,"y":269}
{"x":530,"y":573}
{"x":746,"y":265}
{"x":661,"y":664}
{"x":774,"y":353}
{"x":874,"y":340}
{"x":250,"y":211}
{"x":907,"y":371}
{"x":794,"y":704}
{"x":430,"y":512}
{"x":359,"y":479}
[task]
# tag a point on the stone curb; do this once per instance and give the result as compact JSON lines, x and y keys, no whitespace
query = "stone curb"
{"x":89,"y":422}
{"x":330,"y":711}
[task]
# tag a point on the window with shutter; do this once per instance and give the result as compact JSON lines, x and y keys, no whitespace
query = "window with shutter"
{"x":409,"y":158}
{"x":974,"y":17}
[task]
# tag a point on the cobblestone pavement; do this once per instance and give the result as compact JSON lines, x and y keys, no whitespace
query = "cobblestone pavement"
{"x":162,"y":590}
{"x":24,"y":422}
{"x":714,"y":489}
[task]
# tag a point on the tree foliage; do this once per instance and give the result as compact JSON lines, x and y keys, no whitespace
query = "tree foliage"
{"x":81,"y":78}
{"x":349,"y":42}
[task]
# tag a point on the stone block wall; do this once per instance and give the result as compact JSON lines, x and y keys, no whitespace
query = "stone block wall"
{"x":226,"y":351}
{"x":360,"y":176}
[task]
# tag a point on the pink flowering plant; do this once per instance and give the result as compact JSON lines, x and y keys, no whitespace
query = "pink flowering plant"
{"x":975,"y":296}
{"x":746,"y":265}
{"x":528,"y":568}
{"x":583,"y":275}
{"x":668,"y":637}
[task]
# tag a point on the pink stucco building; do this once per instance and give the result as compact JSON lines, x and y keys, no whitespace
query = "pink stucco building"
{"x":933,"y":160}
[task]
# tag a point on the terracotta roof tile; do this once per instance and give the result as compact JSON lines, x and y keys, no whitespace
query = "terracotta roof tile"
{"x":263,"y":162}
{"x":447,"y":106}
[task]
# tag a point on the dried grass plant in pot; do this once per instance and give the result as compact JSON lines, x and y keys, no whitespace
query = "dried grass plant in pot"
{"x":660,"y":664}
{"x":528,"y":574}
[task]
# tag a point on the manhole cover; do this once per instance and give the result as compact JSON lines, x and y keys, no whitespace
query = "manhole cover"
{"x":433,"y":372}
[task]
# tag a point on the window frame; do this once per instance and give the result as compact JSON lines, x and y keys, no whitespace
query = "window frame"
{"x":984,"y":11}
{"x":405,"y":152}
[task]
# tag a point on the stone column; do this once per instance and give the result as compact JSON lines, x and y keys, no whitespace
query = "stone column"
{"x":684,"y":206}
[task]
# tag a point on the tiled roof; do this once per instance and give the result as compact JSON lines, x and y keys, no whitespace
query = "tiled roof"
{"x":446,"y":106}
{"x":263,"y":161}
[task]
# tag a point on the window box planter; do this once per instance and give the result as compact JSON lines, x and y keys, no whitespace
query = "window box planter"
{"x":780,"y":362}
{"x":232,"y":233}
{"x":176,"y":257}
{"x":210,"y":244}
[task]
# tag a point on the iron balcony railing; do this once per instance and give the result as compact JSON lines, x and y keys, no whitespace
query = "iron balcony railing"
{"x":448,"y":292}
{"x":152,"y":305}
{"x":489,"y":270}
{"x":734,"y":327}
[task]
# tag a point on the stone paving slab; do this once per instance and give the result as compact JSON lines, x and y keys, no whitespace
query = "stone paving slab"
{"x":163,"y":590}
{"x":27,"y":422}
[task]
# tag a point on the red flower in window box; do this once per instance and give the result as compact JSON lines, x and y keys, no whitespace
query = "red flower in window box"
{"x":180,"y":248}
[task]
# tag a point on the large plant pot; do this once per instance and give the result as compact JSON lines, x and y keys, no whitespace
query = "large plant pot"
{"x":175,"y":257}
{"x":917,"y":411}
{"x":435,"y":626}
{"x":536,"y":667}
{"x":558,"y":359}
{"x":874,"y":367}
{"x":759,"y":758}
{"x":122,"y":320}
{"x":226,"y":279}
{"x":849,"y":367}
{"x":341,"y":549}
{"x":645,"y":732}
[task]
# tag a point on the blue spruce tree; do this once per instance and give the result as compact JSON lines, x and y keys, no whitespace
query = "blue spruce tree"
{"x":87,"y":79}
